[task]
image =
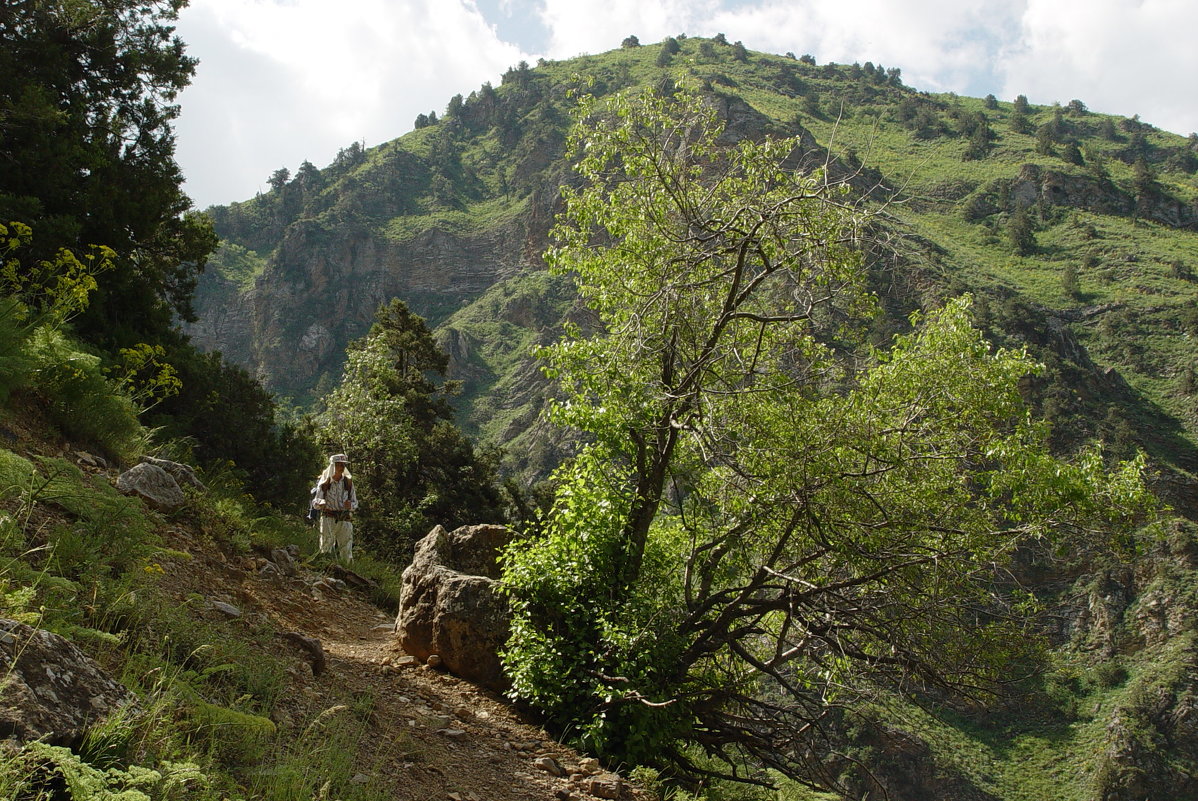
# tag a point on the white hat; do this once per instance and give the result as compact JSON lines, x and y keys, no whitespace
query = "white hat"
{"x":338,"y":458}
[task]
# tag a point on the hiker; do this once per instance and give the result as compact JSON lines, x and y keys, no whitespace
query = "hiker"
{"x":336,"y":499}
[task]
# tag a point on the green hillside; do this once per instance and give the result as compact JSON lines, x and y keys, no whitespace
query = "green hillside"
{"x":1105,"y":206}
{"x":1076,"y":232}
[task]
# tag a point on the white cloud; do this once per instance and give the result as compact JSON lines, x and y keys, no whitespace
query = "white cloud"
{"x":286,"y":80}
{"x":1117,"y":56}
{"x":282,"y":81}
{"x":596,"y":26}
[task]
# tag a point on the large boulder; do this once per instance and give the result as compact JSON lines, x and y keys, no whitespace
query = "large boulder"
{"x":153,"y":485}
{"x":50,"y":689}
{"x":184,"y":474}
{"x":449,"y":604}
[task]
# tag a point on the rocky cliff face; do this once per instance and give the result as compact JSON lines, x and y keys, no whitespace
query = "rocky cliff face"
{"x":323,"y":284}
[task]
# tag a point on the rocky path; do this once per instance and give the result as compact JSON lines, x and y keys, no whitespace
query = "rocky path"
{"x":427,"y":735}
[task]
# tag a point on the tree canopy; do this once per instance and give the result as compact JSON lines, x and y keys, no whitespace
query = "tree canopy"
{"x":87,"y":94}
{"x":768,"y":521}
{"x":391,"y":414}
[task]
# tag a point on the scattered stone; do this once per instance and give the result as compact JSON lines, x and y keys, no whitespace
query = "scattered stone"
{"x":433,"y":661}
{"x":453,"y":734}
{"x":351,"y":579}
{"x":588,"y":766}
{"x":549,"y":765}
{"x":360,"y":778}
{"x":269,"y":569}
{"x":405,"y":661}
{"x":607,"y":786}
{"x":384,"y":627}
{"x":439,"y":722}
{"x":455,"y":797}
{"x":285,"y":563}
{"x":311,"y":647}
{"x":449,"y":605}
{"x":564,"y":795}
{"x":52,"y":690}
{"x":90,"y":460}
{"x":226,"y":609}
{"x":152,"y":484}
{"x":463,"y":712}
{"x":183,"y":474}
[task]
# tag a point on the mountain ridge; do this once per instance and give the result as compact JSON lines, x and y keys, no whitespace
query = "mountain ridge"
{"x":444,"y":214}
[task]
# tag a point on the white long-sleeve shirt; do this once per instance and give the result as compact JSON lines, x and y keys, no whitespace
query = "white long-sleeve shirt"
{"x":335,"y":496}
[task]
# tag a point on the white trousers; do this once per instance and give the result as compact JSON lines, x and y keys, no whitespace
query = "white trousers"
{"x":337,"y":534}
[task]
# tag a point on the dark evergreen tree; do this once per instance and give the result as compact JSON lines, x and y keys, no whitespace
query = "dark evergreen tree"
{"x":392,"y":415}
{"x":1021,"y":105}
{"x":630,"y":41}
{"x":991,"y":102}
{"x":1021,"y":232}
{"x":279,"y":178}
{"x":87,"y":97}
{"x":1044,"y":140}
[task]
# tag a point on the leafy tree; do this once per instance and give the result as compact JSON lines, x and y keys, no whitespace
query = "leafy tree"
{"x":739,"y":52}
{"x":1020,"y":122}
{"x":670,"y":45}
{"x":1044,"y":140}
{"x":279,"y":178}
{"x":1021,"y":105}
{"x":1069,"y":281}
{"x":808,"y":59}
{"x":233,"y":422}
{"x":762,"y":525}
{"x":1021,"y":232}
{"x":1073,"y":154}
{"x":87,"y":96}
{"x":391,"y":414}
{"x":980,"y":136}
{"x":630,"y":41}
{"x":991,"y":102}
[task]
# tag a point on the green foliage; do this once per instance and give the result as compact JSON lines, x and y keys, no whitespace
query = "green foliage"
{"x":82,"y":400}
{"x":413,"y":467}
{"x":87,"y":91}
{"x":1021,"y":232}
{"x":231,"y":421}
{"x":758,"y":525}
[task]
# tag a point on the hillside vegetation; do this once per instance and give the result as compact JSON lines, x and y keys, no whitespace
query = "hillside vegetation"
{"x":802,"y":539}
{"x":1074,"y":228}
{"x":1075,"y":232}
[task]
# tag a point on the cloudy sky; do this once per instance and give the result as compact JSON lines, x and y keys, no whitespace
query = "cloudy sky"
{"x":281,"y":81}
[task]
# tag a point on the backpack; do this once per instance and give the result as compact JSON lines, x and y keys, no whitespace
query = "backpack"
{"x":313,"y":514}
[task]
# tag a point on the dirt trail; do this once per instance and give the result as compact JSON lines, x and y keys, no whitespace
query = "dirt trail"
{"x":430,"y":735}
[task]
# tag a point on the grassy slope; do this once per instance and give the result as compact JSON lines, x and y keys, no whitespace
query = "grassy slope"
{"x":1144,"y":269}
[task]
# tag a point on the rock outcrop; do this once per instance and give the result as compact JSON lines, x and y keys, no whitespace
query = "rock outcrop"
{"x":449,"y":606}
{"x":183,"y":474}
{"x":153,"y":485}
{"x":49,"y":689}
